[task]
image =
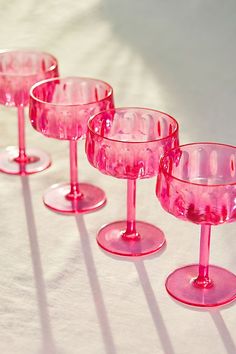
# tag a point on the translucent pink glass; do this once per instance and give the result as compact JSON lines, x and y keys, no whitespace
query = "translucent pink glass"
{"x":60,"y":109}
{"x":128,"y":143}
{"x":19,"y":70}
{"x":197,"y":183}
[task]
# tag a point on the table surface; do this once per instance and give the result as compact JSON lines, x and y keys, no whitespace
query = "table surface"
{"x":60,"y":293}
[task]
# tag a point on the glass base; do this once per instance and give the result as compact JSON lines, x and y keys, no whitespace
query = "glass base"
{"x":37,"y":161}
{"x":180,"y":285}
{"x":56,"y":199}
{"x":111,"y":239}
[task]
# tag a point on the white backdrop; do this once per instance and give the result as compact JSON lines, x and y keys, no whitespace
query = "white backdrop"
{"x":59,"y":293}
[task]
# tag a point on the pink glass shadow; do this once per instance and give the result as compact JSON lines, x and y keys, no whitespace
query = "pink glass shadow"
{"x":19,"y":70}
{"x":197,"y":183}
{"x":127,"y":143}
{"x":60,"y":109}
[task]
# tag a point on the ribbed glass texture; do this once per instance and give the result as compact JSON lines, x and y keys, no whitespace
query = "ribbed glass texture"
{"x":128,"y":142}
{"x":60,"y":108}
{"x":19,"y":70}
{"x":197,"y":182}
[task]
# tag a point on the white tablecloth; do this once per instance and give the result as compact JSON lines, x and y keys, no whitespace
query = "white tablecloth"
{"x":59,"y":293}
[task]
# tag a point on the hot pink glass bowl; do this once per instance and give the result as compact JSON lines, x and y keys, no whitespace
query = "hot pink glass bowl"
{"x":60,"y":109}
{"x":19,"y":70}
{"x":197,"y":183}
{"x":127,"y":143}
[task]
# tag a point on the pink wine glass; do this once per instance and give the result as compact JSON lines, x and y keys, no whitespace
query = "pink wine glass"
{"x":19,"y":70}
{"x":128,"y":143}
{"x":197,"y":183}
{"x":60,"y":108}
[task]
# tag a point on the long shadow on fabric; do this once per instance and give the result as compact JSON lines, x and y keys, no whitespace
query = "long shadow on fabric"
{"x":149,"y":295}
{"x":95,"y":287}
{"x":223,"y":331}
{"x":219,"y":322}
{"x":154,"y":308}
{"x":48,"y":346}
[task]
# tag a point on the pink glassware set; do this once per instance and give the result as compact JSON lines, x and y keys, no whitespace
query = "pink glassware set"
{"x":195,"y":182}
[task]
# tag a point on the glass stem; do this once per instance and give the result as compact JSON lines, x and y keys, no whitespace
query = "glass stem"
{"x":203,"y":277}
{"x":21,"y":134}
{"x":131,"y":209}
{"x":74,"y":184}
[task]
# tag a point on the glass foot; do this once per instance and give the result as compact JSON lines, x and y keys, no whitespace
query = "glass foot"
{"x":110,"y":238}
{"x":37,"y":161}
{"x":180,"y":285}
{"x":56,"y":199}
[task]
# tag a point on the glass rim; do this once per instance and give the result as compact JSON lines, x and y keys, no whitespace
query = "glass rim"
{"x":133,"y":108}
{"x":162,"y":161}
{"x":51,"y":68}
{"x":42,"y":82}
